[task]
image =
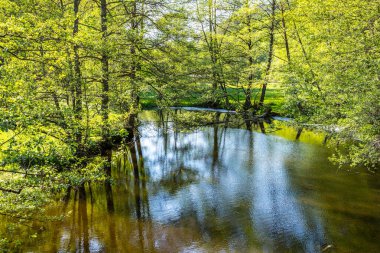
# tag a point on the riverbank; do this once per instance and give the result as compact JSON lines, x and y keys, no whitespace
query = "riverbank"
{"x":275,"y":99}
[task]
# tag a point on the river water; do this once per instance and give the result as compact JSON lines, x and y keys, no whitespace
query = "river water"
{"x":229,"y":187}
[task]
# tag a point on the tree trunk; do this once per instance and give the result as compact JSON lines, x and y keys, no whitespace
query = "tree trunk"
{"x":270,"y":52}
{"x":133,"y":67}
{"x":77,"y":100}
{"x":248,"y":91}
{"x":105,"y":70}
{"x":285,"y":32}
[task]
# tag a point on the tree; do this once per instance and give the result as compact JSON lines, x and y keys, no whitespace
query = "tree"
{"x":334,"y":76}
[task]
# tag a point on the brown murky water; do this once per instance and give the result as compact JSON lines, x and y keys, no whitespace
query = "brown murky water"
{"x":220,"y":188}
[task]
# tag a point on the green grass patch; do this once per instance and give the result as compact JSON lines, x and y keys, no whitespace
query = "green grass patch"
{"x":274,"y":98}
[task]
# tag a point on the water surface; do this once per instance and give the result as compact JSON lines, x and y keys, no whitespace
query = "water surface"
{"x":234,"y":187}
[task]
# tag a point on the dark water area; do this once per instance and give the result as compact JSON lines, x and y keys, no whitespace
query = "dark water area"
{"x":229,"y":187}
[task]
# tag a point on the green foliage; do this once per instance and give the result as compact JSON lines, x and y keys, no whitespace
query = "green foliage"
{"x":334,"y":75}
{"x":74,"y":73}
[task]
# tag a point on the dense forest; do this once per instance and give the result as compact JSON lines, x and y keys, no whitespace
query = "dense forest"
{"x":74,"y":74}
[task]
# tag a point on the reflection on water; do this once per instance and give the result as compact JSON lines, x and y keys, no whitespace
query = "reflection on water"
{"x":277,"y":215}
{"x":220,"y":188}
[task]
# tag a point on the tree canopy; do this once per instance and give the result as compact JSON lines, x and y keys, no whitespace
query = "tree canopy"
{"x":74,"y":74}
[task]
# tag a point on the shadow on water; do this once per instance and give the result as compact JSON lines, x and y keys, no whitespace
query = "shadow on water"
{"x":236,"y":186}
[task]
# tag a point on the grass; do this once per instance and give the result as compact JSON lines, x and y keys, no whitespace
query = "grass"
{"x":274,"y":98}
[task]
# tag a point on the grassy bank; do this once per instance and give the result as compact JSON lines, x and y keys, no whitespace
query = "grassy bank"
{"x":274,"y":98}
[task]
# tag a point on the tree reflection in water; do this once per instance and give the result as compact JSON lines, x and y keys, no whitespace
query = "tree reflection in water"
{"x":213,"y":189}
